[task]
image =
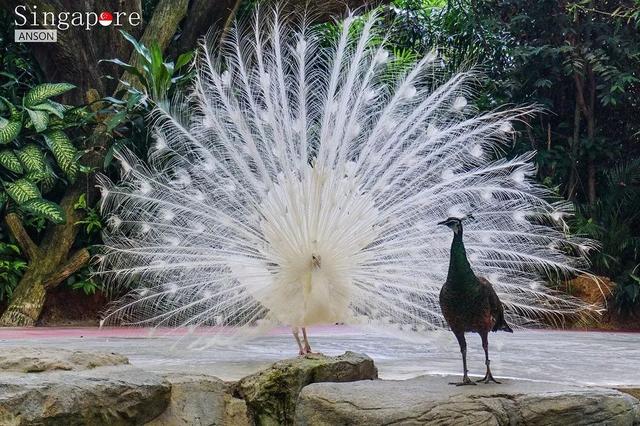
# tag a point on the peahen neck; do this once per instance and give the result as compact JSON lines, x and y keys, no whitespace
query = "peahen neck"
{"x":460,"y":272}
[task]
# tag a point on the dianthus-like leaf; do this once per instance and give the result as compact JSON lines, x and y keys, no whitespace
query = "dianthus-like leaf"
{"x":10,"y":161}
{"x":22,"y":190}
{"x":51,"y":108}
{"x":45,"y":179}
{"x":9,"y":131}
{"x":31,"y":158}
{"x":41,"y":92}
{"x":44,"y":208}
{"x":64,"y":152}
{"x":39,"y":119}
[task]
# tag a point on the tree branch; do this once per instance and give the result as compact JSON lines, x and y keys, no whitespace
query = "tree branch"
{"x":21,"y":236}
{"x":77,"y":261}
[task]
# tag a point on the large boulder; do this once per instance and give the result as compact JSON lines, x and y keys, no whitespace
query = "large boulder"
{"x":60,"y":387}
{"x":198,"y":400}
{"x":271,"y":394}
{"x":430,"y":400}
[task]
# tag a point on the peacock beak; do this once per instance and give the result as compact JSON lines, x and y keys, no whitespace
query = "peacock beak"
{"x":444,"y":222}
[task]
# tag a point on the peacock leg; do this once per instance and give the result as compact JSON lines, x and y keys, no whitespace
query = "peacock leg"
{"x":296,"y":334}
{"x":463,"y":349}
{"x":488,"y":377}
{"x":307,"y":346}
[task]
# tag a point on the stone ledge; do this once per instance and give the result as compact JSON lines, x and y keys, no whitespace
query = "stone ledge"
{"x":430,"y":400}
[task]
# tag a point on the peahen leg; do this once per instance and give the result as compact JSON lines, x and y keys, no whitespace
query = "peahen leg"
{"x":488,"y":377}
{"x":307,"y":346}
{"x":296,"y":334}
{"x":463,"y":349}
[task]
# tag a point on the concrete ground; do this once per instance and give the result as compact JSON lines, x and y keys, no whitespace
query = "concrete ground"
{"x":572,"y":357}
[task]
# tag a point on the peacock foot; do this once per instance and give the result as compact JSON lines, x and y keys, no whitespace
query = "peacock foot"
{"x":466,"y":381}
{"x":488,"y":378}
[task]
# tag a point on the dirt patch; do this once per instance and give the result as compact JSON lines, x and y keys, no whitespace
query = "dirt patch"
{"x":65,"y":306}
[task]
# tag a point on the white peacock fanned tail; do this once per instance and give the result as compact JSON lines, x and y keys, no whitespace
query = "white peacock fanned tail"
{"x":301,"y":183}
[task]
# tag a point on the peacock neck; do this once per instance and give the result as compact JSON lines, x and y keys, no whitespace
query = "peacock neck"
{"x":460,"y":272}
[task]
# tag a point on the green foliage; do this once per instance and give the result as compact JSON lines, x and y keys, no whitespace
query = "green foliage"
{"x":82,"y":281}
{"x":627,"y":295}
{"x":44,"y":208}
{"x":37,"y":150}
{"x":92,"y":220}
{"x":12,"y":266}
{"x":157,"y":76}
{"x":577,"y":60}
{"x":150,"y":80}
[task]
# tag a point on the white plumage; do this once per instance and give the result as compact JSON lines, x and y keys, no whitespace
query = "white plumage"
{"x":300,"y":183}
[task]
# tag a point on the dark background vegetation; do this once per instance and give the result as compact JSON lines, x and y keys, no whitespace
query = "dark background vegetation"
{"x":579,"y":61}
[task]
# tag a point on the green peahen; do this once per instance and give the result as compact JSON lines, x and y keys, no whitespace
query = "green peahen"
{"x":469,"y":303}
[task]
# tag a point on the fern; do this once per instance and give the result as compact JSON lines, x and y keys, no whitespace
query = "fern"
{"x":42,"y":92}
{"x":22,"y":190}
{"x":10,"y":161}
{"x":64,"y":152}
{"x":46,"y":209}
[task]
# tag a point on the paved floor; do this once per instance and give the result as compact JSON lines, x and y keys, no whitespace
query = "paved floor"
{"x":589,"y":358}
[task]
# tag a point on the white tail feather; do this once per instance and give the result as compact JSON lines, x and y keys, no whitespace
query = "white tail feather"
{"x":305,"y":188}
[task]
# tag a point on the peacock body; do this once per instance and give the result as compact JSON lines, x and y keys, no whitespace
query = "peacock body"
{"x":301,"y":182}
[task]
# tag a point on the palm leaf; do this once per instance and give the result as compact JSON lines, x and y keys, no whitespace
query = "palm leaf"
{"x":22,"y":190}
{"x":10,"y":161}
{"x":64,"y":152}
{"x":42,"y":92}
{"x":44,"y":208}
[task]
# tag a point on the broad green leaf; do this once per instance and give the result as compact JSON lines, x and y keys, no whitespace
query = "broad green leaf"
{"x":40,"y":119}
{"x":10,"y":161}
{"x":31,"y":158}
{"x":44,"y":208}
{"x":64,"y":152}
{"x":10,"y":131}
{"x":116,"y":120}
{"x":46,"y":179}
{"x":184,"y":59}
{"x":22,"y":190}
{"x":13,"y":111}
{"x":41,"y":92}
{"x":139,"y":47}
{"x":51,"y":108}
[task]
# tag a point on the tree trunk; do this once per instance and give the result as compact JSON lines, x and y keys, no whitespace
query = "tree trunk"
{"x":50,"y":262}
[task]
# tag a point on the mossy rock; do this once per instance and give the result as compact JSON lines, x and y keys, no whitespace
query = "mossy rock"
{"x":272,"y":394}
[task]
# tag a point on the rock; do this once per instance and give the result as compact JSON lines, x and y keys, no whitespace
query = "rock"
{"x":271,"y":394}
{"x":77,"y":388}
{"x":33,"y":360}
{"x":430,"y":400}
{"x":199,"y":400}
